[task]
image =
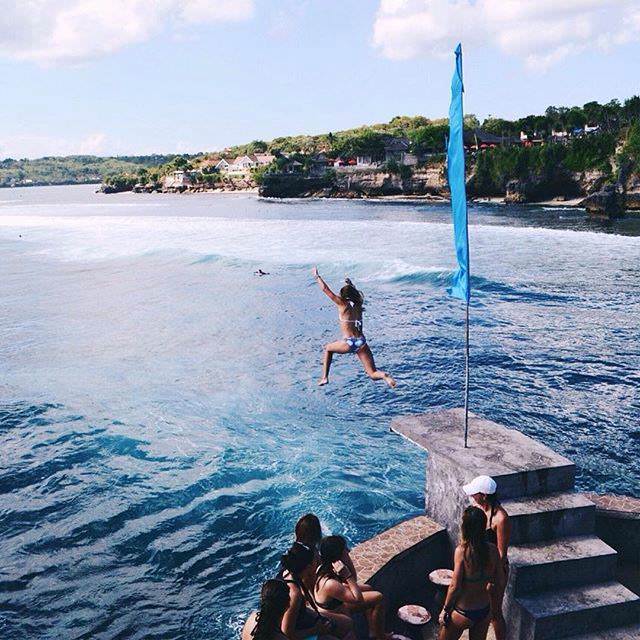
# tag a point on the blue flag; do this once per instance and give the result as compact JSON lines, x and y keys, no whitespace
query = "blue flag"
{"x":455,"y":165}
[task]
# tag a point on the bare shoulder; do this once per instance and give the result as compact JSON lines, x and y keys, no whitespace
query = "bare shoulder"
{"x":249,"y":626}
{"x":459,"y":554}
{"x":500,"y":515}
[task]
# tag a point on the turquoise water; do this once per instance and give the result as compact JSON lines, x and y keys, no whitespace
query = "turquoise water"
{"x":160,"y":425}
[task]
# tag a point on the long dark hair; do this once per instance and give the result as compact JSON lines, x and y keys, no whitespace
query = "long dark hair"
{"x":331,"y":550}
{"x":274,"y":601}
{"x":350,"y":293}
{"x":309,"y":531}
{"x":295,"y":561}
{"x":474,"y":525}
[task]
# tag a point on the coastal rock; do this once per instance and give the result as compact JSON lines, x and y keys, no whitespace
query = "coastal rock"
{"x":632,"y":201}
{"x":352,"y":182}
{"x":516,"y":192}
{"x":590,"y":181}
{"x":606,"y":203}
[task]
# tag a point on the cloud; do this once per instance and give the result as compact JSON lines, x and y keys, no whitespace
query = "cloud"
{"x":538,"y":32}
{"x":72,"y":31}
{"x":30,"y":145}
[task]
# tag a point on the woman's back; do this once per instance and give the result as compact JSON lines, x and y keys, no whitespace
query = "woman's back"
{"x":250,"y":625}
{"x":479,"y":573}
{"x":350,"y":317}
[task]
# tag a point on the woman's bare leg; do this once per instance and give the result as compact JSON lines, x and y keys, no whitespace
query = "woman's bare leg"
{"x":453,"y":631}
{"x":339,"y":346}
{"x":373,"y":606}
{"x":344,"y":625}
{"x":479,"y":630}
{"x":366,"y":357}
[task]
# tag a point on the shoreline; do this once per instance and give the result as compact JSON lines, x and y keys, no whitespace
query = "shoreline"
{"x":574,"y":203}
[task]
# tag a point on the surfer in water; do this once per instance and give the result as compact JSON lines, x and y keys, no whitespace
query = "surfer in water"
{"x":349,"y":304}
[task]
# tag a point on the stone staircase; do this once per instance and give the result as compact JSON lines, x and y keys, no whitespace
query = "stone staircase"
{"x":562,"y":579}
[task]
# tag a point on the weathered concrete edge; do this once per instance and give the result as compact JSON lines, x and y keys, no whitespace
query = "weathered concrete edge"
{"x":372,"y":556}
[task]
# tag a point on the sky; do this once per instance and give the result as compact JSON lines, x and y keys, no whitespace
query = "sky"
{"x":132,"y":77}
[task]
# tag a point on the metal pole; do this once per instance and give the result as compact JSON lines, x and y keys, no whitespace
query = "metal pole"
{"x":466,"y":379}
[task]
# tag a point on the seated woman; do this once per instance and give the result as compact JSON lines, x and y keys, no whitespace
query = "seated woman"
{"x":337,"y":591}
{"x":476,"y":573}
{"x":265,"y":623}
{"x":309,"y":533}
{"x":482,"y":491}
{"x":302,"y":619}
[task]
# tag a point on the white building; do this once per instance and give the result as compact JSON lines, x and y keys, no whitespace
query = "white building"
{"x":178,"y":179}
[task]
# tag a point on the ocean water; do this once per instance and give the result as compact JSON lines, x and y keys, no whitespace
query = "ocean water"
{"x":160,"y":425}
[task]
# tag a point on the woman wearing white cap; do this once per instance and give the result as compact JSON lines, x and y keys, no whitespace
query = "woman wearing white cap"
{"x":482,"y":491}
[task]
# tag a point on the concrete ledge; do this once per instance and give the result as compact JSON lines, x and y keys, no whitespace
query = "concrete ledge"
{"x":618,"y":524}
{"x":398,"y":561}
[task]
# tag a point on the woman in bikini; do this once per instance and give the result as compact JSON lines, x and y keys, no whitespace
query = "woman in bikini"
{"x":483,"y":491}
{"x":349,"y":304}
{"x":265,"y":624}
{"x":302,"y":619}
{"x":337,"y":591}
{"x":476,"y":574}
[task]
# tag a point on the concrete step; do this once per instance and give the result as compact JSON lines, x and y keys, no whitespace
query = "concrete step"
{"x":569,"y":612}
{"x":621,"y":633}
{"x":561,"y":563}
{"x":546,"y":517}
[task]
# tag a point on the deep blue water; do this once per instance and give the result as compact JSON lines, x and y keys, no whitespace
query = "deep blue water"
{"x":160,"y":425}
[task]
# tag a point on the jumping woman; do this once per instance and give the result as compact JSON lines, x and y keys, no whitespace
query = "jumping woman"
{"x":349,"y":304}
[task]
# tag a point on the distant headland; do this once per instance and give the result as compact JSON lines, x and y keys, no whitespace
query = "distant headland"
{"x":587,"y":156}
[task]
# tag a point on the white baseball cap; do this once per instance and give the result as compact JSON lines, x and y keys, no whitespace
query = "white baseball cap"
{"x":480,"y":484}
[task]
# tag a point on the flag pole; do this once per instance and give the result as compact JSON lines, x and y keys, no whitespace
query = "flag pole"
{"x":461,"y":286}
{"x":466,"y":379}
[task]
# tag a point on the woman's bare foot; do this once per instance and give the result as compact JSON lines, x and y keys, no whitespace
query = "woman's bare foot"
{"x":323,"y":381}
{"x":390,"y":381}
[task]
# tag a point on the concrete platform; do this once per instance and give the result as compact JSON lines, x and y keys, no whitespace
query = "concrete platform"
{"x":566,"y":562}
{"x":520,"y":465}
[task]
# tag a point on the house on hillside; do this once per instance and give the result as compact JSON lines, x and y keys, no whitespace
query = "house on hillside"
{"x":262,"y":159}
{"x":178,"y":179}
{"x":475,"y":139}
{"x":292,"y":167}
{"x":222,"y":166}
{"x":319,"y":164}
{"x":395,"y":149}
{"x":242,"y":164}
{"x":366,"y":160}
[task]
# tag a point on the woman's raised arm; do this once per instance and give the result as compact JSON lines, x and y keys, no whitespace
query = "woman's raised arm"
{"x":325,"y":288}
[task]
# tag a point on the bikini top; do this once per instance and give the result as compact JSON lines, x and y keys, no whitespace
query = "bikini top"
{"x":331,"y":604}
{"x":490,"y":535}
{"x":356,"y":323}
